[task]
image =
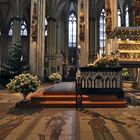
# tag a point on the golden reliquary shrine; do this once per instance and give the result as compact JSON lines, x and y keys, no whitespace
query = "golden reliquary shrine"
{"x":127,"y":48}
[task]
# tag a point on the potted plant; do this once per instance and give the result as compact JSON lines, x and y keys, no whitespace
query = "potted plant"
{"x":24,"y":84}
{"x":55,"y":77}
{"x":125,"y":74}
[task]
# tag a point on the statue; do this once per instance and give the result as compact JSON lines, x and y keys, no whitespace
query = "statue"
{"x":82,"y":23}
{"x":34,"y":23}
{"x":137,"y":12}
{"x":137,"y":7}
{"x":108,"y":17}
{"x":107,"y":6}
{"x":108,"y":23}
{"x":82,"y":28}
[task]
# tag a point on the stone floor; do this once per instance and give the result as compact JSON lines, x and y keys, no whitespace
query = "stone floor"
{"x":69,"y":124}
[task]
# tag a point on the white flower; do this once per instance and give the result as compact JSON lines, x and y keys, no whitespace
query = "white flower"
{"x":24,"y":83}
{"x":55,"y":76}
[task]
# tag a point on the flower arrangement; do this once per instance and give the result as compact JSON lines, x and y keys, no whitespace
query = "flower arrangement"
{"x":55,"y":77}
{"x":24,"y":83}
{"x":105,"y":62}
{"x":125,"y":74}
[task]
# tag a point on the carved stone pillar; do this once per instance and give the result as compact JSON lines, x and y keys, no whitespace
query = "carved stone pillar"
{"x":83,"y":31}
{"x":62,"y":45}
{"x":111,"y":19}
{"x":91,"y":40}
{"x":93,"y":45}
{"x":59,"y":62}
{"x":37,"y":37}
{"x":3,"y":49}
{"x":114,"y":13}
{"x":41,"y":38}
{"x":108,"y":16}
{"x":51,"y":45}
{"x":16,"y":37}
{"x":17,"y":15}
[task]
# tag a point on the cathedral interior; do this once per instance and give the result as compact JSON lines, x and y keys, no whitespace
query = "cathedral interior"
{"x":65,"y":37}
{"x":52,"y":32}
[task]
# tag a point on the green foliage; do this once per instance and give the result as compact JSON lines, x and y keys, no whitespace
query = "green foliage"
{"x":125,"y":73}
{"x":14,"y":64}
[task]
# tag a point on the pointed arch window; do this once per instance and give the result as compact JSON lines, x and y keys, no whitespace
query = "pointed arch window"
{"x":119,"y":18}
{"x":102,"y":32}
{"x":127,"y":16}
{"x":46,"y":24}
{"x":72,"y":38}
{"x":23,"y":28}
{"x":0,"y":31}
{"x":10,"y":33}
{"x":72,"y":30}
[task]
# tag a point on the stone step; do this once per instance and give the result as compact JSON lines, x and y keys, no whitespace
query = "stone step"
{"x":63,"y":95}
{"x":71,"y":104}
{"x":58,"y":97}
{"x":58,"y":93}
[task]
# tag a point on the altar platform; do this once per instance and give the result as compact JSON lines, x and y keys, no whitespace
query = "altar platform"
{"x":63,"y":95}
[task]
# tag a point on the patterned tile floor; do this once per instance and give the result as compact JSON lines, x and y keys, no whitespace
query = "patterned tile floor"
{"x":67,"y":124}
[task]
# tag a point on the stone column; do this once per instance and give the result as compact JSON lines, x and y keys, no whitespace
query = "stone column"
{"x":41,"y":38}
{"x":37,"y":38}
{"x":97,"y":41}
{"x":59,"y":62}
{"x":62,"y":46}
{"x":16,"y":18}
{"x":83,"y":31}
{"x":66,"y":47}
{"x":109,"y":16}
{"x":33,"y":38}
{"x":16,"y":37}
{"x":51,"y":45}
{"x":91,"y":40}
{"x":3,"y":48}
{"x":108,"y":22}
{"x":131,"y":14}
{"x":111,"y":23}
{"x":62,"y":36}
{"x":114,"y":13}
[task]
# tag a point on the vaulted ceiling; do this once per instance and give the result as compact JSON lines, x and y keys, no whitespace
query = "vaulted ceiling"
{"x":54,"y":8}
{"x":13,"y":8}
